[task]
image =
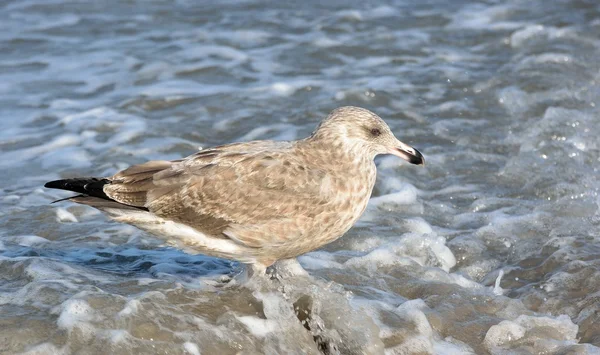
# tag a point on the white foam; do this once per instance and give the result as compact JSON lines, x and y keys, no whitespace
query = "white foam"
{"x":520,"y":36}
{"x":45,"y":349}
{"x":325,"y":42}
{"x":11,"y":198}
{"x":204,"y":51}
{"x":26,"y":240}
{"x":287,"y":88}
{"x":480,"y":17}
{"x":503,"y":333}
{"x":425,"y":250}
{"x":191,"y":348}
{"x":55,"y":144}
{"x":389,"y":184}
{"x":406,"y":196}
{"x":511,"y":334}
{"x":63,"y":104}
{"x":484,"y":189}
{"x":183,"y":88}
{"x":77,"y":313}
{"x":378,"y":258}
{"x":419,"y":245}
{"x":354,"y":15}
{"x":318,"y":260}
{"x":382,"y":11}
{"x":50,"y":22}
{"x":40,"y":269}
{"x":372,"y":62}
{"x":257,"y":326}
{"x":283,"y":89}
{"x":437,"y":276}
{"x":529,"y":33}
{"x":535,"y":61}
{"x":414,"y":345}
{"x":413,"y":311}
{"x":131,"y":308}
{"x":246,"y":36}
{"x":497,"y":289}
{"x":62,"y":215}
{"x":155,"y":70}
{"x":450,"y":346}
{"x":563,"y":326}
{"x":417,"y":225}
{"x":117,"y":336}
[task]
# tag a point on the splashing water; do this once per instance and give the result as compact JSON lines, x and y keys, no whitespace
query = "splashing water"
{"x":494,"y":247}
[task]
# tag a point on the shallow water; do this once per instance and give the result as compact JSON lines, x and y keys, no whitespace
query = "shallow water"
{"x":493,"y":247}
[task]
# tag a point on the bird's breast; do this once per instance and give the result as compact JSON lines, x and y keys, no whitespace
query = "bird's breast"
{"x":347,"y":192}
{"x":357,"y":187}
{"x":349,"y":197}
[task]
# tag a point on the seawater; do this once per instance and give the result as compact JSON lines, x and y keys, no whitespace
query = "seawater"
{"x":492,"y":248}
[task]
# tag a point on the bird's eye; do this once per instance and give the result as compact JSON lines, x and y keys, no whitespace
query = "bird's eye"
{"x":375,"y":132}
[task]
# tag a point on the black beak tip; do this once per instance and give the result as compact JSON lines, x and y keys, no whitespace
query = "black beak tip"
{"x":417,"y":158}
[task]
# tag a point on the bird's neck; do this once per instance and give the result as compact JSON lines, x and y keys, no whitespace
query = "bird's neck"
{"x":341,"y":153}
{"x":351,"y":170}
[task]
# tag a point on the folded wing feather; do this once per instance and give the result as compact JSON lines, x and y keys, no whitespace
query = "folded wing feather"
{"x":228,"y":191}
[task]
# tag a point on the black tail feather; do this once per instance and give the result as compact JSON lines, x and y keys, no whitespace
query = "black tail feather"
{"x":88,"y":186}
{"x":93,"y":187}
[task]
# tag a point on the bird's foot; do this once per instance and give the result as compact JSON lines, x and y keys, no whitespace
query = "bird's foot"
{"x":248,"y":273}
{"x":277,"y":273}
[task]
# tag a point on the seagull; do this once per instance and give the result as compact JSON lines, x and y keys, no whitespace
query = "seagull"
{"x":254,"y":202}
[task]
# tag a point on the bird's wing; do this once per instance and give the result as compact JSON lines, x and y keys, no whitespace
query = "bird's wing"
{"x":237,"y":191}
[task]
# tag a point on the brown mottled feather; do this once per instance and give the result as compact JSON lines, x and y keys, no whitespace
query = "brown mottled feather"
{"x":257,"y":201}
{"x":212,"y":192}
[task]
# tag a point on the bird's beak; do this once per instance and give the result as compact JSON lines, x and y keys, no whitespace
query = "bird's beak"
{"x":408,"y":153}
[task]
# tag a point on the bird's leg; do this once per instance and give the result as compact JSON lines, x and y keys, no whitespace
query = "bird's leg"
{"x":256,"y":270}
{"x":272,"y":273}
{"x":249,"y":272}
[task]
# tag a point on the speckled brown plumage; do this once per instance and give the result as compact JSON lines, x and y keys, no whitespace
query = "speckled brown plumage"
{"x":259,"y":201}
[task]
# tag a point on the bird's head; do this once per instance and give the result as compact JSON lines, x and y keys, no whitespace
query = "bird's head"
{"x":361,"y":129}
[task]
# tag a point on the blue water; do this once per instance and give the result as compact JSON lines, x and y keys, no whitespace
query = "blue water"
{"x":493,"y":247}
